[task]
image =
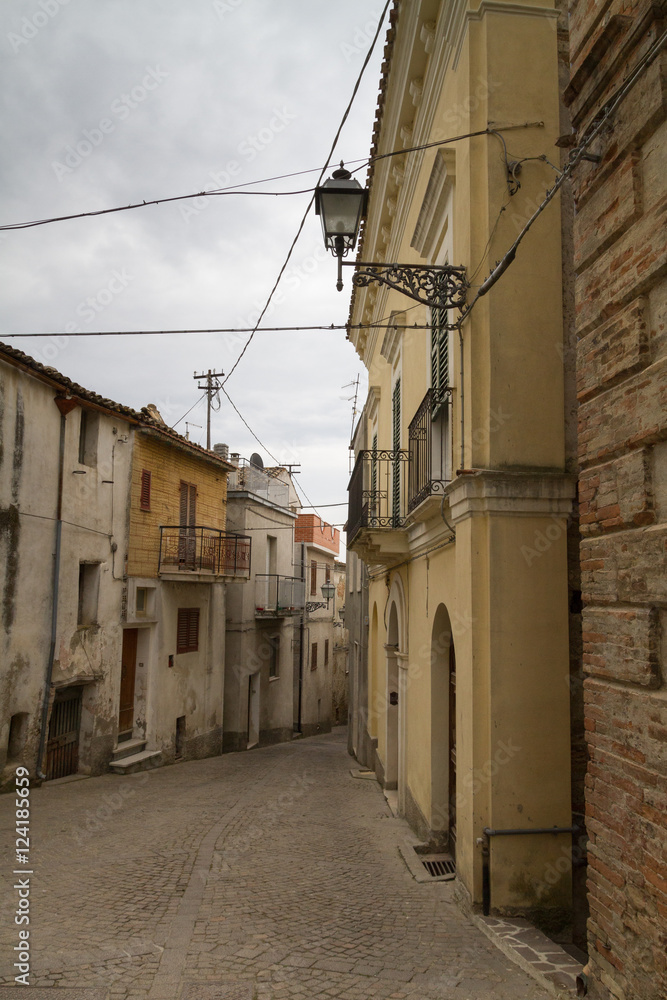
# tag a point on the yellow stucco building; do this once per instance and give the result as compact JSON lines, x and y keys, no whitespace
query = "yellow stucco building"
{"x":461,"y":490}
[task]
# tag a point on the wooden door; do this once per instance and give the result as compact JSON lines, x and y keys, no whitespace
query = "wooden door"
{"x":127,"y":678}
{"x":187,"y":543}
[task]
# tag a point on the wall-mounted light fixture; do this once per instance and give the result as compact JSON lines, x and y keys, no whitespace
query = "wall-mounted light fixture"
{"x":341,"y":203}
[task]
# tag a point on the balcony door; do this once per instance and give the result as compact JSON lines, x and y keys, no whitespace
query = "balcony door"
{"x":187,"y":541}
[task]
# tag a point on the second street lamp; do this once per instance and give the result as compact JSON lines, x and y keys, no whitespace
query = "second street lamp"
{"x":341,"y":204}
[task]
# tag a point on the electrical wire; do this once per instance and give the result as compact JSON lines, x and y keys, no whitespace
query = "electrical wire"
{"x":188,"y":411}
{"x":229,"y":329}
{"x":312,"y":199}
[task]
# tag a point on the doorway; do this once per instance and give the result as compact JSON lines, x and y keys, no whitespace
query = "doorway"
{"x":253,"y":710}
{"x":128,"y":672}
{"x":443,"y":729}
{"x":62,"y":748}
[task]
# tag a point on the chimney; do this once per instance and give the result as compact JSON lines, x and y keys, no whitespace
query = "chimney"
{"x":222,"y":451}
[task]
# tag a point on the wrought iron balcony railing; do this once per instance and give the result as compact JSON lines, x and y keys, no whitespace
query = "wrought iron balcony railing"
{"x":377,"y":491}
{"x":427,"y":444}
{"x":278,"y":596}
{"x":198,"y":549}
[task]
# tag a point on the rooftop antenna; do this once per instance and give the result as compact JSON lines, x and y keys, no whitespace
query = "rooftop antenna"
{"x":188,"y":425}
{"x":350,"y":399}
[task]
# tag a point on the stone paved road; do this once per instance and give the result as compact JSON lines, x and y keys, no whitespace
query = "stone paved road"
{"x":273,"y":874}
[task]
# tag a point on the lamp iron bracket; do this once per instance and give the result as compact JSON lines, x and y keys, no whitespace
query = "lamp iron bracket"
{"x":442,"y":287}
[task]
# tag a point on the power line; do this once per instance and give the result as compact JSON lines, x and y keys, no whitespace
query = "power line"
{"x":229,"y":329}
{"x":312,"y":199}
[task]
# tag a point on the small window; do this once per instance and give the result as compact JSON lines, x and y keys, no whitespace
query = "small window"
{"x":313,"y":656}
{"x":89,"y":586}
{"x":313,"y":577}
{"x":88,"y":433}
{"x":274,"y":655}
{"x":142,"y":600}
{"x":187,"y":630}
{"x":326,"y":652}
{"x":145,"y":495}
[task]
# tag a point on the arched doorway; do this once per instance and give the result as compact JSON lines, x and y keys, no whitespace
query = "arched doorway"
{"x":443,"y":728}
{"x":391,"y":702}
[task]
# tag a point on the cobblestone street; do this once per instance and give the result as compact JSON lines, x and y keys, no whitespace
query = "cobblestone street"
{"x":273,"y":873}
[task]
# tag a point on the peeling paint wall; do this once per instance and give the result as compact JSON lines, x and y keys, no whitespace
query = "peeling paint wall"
{"x":94,"y":531}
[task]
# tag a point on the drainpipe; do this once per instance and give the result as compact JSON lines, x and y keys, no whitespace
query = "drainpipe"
{"x":486,"y":853}
{"x":64,"y":404}
{"x":461,"y":397}
{"x":301,"y":636}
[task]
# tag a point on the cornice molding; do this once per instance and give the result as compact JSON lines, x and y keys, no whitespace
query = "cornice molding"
{"x":522,"y":494}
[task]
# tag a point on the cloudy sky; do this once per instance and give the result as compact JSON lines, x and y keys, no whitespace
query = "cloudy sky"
{"x":113,"y":102}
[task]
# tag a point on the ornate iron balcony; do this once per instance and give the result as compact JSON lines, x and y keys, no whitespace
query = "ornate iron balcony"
{"x":377,"y":491}
{"x":196,"y":549}
{"x":427,"y":444}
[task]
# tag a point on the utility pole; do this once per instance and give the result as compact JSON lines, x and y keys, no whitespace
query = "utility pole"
{"x":211,"y":387}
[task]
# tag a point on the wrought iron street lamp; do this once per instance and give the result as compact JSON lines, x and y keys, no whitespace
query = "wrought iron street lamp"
{"x":341,"y":203}
{"x":328,"y":590}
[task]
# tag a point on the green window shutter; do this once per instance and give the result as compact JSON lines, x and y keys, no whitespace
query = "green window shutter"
{"x":396,"y":444}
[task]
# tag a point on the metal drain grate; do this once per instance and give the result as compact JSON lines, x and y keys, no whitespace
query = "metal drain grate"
{"x":439,"y":866}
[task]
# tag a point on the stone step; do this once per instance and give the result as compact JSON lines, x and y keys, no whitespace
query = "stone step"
{"x":144,"y":761}
{"x":127,"y":748}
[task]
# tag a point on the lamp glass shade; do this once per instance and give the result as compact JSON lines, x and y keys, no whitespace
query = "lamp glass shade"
{"x":341,"y":205}
{"x":328,"y":590}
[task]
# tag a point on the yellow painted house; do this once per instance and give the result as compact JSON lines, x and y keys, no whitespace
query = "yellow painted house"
{"x":462,"y":487}
{"x":180,"y":557}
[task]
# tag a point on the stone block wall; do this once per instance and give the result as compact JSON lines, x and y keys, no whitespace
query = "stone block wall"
{"x":621,"y":311}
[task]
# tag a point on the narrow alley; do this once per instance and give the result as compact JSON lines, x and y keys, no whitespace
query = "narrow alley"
{"x":274,"y":874}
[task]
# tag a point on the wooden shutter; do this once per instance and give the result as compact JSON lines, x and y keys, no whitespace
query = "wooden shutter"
{"x":145,"y":495}
{"x":326,"y":652}
{"x":313,"y":576}
{"x":183,"y":512}
{"x":313,"y":656}
{"x":187,"y":630}
{"x":192,"y":512}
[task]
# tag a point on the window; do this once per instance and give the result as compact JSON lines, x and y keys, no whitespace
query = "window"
{"x":313,"y":577}
{"x":89,"y":585}
{"x":274,"y":654}
{"x":187,"y":630}
{"x":313,"y":656}
{"x":326,"y":652}
{"x":142,"y":600}
{"x":88,"y":434}
{"x":145,"y":494}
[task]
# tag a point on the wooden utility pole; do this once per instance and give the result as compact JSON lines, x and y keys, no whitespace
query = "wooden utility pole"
{"x":211,"y":386}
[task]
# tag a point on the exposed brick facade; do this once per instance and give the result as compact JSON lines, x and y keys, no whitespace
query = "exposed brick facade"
{"x":621,"y":305}
{"x":312,"y":530}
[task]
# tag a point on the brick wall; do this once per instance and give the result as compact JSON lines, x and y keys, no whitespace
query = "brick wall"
{"x":169,"y":465}
{"x":311,"y":529}
{"x":621,"y":311}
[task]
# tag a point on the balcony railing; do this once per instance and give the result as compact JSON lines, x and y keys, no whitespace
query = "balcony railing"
{"x":427,"y":444}
{"x":377,"y":491}
{"x":204,"y":550}
{"x":277,"y":596}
